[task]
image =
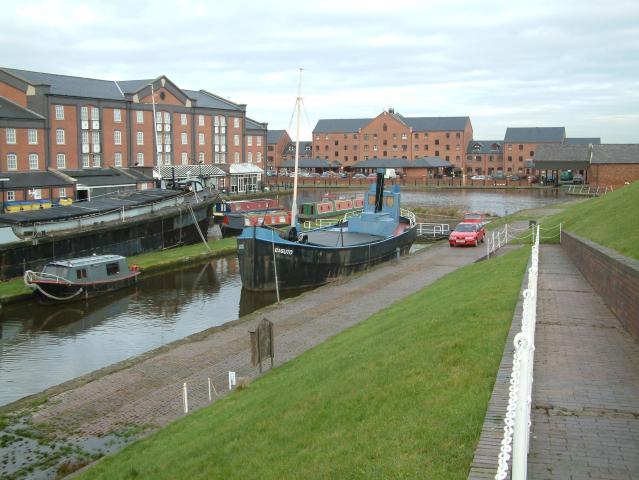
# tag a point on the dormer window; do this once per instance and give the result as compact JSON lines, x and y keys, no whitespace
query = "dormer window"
{"x":477,"y":147}
{"x":496,"y":147}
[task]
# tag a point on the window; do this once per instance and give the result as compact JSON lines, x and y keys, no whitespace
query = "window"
{"x":366,"y":136}
{"x":236,"y":157}
{"x":85,"y":136}
{"x":521,"y":158}
{"x":258,"y":141}
{"x":521,"y":147}
{"x":140,"y":159}
{"x":36,"y":193}
{"x":95,"y":113}
{"x":117,"y":137}
{"x":437,"y":153}
{"x":117,"y":159}
{"x":200,"y":120}
{"x":140,"y":138}
{"x":416,"y":147}
{"x":117,"y":115}
{"x":60,"y":161}
{"x":374,"y":148}
{"x":236,"y":140}
{"x":62,"y":192}
{"x":11,"y":196}
{"x":95,"y":136}
{"x":32,"y":136}
{"x":404,"y":136}
{"x":139,"y":116}
{"x":447,"y":147}
{"x":200,"y":157}
{"x":236,"y":122}
{"x":59,"y":112}
{"x":12,"y":161}
{"x":457,"y":135}
{"x":84,"y":113}
{"x":185,"y":158}
{"x":510,"y":158}
{"x":11,"y":136}
{"x":532,"y":154}
{"x":447,"y":134}
{"x":112,"y":268}
{"x":184,"y":138}
{"x":436,"y":141}
{"x":59,"y":136}
{"x":385,"y":142}
{"x":158,"y":117}
{"x":167,"y":117}
{"x":200,"y":137}
{"x":183,"y":119}
{"x":85,"y":161}
{"x":385,"y":127}
{"x":250,"y":157}
{"x":33,"y":161}
{"x":97,"y":160}
{"x":249,"y":140}
{"x":259,"y":157}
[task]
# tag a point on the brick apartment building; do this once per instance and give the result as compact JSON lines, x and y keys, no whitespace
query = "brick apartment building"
{"x":277,"y":141}
{"x":306,"y":151}
{"x":520,"y":145}
{"x":391,"y":135}
{"x":485,"y":157}
{"x":64,"y":127}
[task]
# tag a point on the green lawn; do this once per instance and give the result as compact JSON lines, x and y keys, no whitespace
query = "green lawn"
{"x":611,"y":220}
{"x":401,"y":395}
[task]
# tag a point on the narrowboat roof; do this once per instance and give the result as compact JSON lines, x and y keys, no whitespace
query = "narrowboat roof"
{"x":84,"y":261}
{"x":79,"y":209}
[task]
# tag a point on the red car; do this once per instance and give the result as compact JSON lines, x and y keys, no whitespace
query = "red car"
{"x":467,"y":233}
{"x":474,"y":217}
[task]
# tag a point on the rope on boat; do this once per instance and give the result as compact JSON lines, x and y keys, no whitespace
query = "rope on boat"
{"x":199,"y":230}
{"x":54,"y":297}
{"x":27,"y":277}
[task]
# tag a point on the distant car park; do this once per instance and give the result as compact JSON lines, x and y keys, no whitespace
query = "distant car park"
{"x":359,"y":176}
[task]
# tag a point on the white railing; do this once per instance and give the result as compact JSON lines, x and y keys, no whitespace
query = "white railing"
{"x":499,"y":238}
{"x":517,"y":422}
{"x":589,"y":190}
{"x":409,"y":215}
{"x":433,"y":229}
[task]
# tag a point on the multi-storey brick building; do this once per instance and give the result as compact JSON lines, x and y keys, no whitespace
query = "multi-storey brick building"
{"x":73,"y":124}
{"x":277,"y":141}
{"x":485,"y":157}
{"x":520,"y":145}
{"x":306,"y":151}
{"x":391,"y":135}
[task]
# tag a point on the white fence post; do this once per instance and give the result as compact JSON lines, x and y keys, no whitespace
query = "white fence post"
{"x":185,"y":397}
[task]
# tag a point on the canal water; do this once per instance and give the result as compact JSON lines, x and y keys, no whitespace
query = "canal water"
{"x":42,"y":346}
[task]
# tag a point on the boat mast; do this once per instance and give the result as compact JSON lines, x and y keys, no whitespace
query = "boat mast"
{"x":298,"y":102}
{"x":155,"y":134}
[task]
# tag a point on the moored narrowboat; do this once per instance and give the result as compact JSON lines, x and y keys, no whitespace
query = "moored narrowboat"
{"x":81,"y":278}
{"x":329,"y":208}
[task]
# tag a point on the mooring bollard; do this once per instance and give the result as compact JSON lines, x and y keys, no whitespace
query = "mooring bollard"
{"x":185,"y":396}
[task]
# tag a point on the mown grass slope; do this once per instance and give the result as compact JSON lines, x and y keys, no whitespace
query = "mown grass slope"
{"x":401,"y":395}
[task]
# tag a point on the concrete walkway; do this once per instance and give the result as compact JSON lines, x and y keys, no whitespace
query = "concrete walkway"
{"x":148,"y":391}
{"x":585,"y":413}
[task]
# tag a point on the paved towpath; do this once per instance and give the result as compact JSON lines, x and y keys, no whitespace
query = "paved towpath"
{"x":149,"y":391}
{"x":585,"y":412}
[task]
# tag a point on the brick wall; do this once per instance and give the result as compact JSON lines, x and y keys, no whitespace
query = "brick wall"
{"x":613,"y":174}
{"x":612,"y":275}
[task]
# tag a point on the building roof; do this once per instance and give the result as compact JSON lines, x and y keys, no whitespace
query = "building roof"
{"x":582,"y":141}
{"x":485,"y":146}
{"x":309,"y":163}
{"x":254,"y":125}
{"x":615,"y":153}
{"x":13,"y":111}
{"x":70,"y":86}
{"x":274,"y":136}
{"x":243,"y":168}
{"x":535,"y":135}
{"x":33,"y":180}
{"x":340,"y":125}
{"x":132,"y":86}
{"x":209,"y":100}
{"x":191,"y":171}
{"x":100,"y":177}
{"x":422,"y":162}
{"x":304,"y":147}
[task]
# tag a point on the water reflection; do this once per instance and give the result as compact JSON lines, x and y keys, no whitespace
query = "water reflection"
{"x":44,"y":345}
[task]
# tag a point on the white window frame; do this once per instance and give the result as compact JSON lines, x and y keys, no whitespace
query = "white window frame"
{"x":11,"y":136}
{"x":258,"y":141}
{"x":183,"y":120}
{"x":249,"y":157}
{"x":140,"y":159}
{"x":184,"y":138}
{"x":117,"y":159}
{"x":185,"y":158}
{"x":95,"y":113}
{"x":86,"y":161}
{"x":34,"y":161}
{"x":200,"y":120}
{"x":249,"y":140}
{"x":95,"y":137}
{"x":62,"y":192}
{"x":236,"y":122}
{"x":59,"y":112}
{"x":139,"y":116}
{"x":32,"y":136}
{"x":139,"y":137}
{"x":117,"y":137}
{"x":167,"y":117}
{"x":84,"y":114}
{"x":59,"y":136}
{"x":236,"y":140}
{"x":12,"y":161}
{"x":37,"y":193}
{"x":60,"y":160}
{"x":117,"y":115}
{"x":97,"y":160}
{"x":11,"y":196}
{"x":200,"y":157}
{"x":200,"y":139}
{"x":259,"y":157}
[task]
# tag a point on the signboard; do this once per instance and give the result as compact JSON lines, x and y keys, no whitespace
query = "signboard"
{"x":262,"y":345}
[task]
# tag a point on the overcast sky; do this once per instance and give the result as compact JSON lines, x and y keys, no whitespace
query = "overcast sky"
{"x":534,"y":63}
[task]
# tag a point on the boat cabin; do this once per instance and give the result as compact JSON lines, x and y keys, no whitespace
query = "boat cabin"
{"x":96,"y":268}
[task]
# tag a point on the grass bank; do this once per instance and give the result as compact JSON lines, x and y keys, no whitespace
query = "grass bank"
{"x":401,"y":395}
{"x":14,"y":290}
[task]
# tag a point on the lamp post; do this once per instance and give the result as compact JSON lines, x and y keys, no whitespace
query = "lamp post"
{"x":2,"y":181}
